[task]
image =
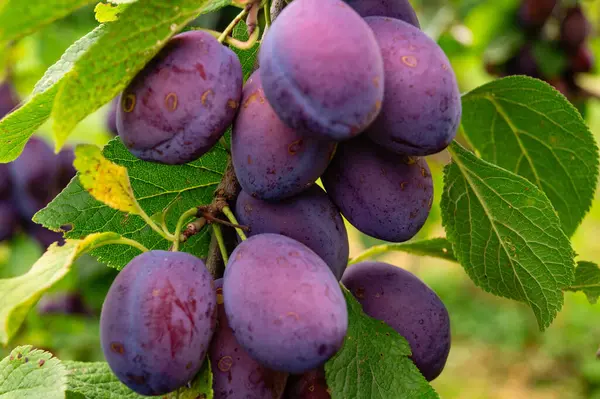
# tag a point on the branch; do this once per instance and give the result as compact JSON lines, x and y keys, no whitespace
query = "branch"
{"x":276,"y":7}
{"x":229,"y":188}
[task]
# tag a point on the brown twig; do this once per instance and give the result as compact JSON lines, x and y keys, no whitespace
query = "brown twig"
{"x":276,"y":7}
{"x":252,"y":18}
{"x":226,"y":193}
{"x":212,"y":219}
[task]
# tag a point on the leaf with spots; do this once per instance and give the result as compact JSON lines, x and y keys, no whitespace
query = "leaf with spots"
{"x":525,"y":126}
{"x":157,"y":188}
{"x":506,"y":234}
{"x":374,"y":362}
{"x":107,"y":12}
{"x":95,"y":381}
{"x":587,"y":280}
{"x":19,"y":294}
{"x":31,"y":373}
{"x":106,"y":181}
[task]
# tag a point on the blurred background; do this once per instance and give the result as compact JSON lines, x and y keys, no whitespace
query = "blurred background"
{"x":498,"y":351}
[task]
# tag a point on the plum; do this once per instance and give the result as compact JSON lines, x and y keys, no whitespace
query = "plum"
{"x":309,"y":217}
{"x":322,"y":70}
{"x":235,"y":373}
{"x":9,"y":99}
{"x":9,"y":220}
{"x":181,"y":103}
{"x":422,"y":106}
{"x":398,"y":9}
{"x":574,"y":29}
{"x":157,"y":321}
{"x":284,"y":304}
{"x":34,"y":174}
{"x":382,"y":194}
{"x":409,"y":306}
{"x":66,"y":170}
{"x":310,"y":385}
{"x":272,"y":161}
{"x":533,"y":14}
{"x":5,"y":181}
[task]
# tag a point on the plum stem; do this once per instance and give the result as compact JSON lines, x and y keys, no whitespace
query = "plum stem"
{"x":225,"y":144}
{"x":370,"y":253}
{"x":124,"y":241}
{"x":248,"y":44}
{"x":234,"y":42}
{"x":233,"y":23}
{"x":187,"y":215}
{"x":164,"y":234}
{"x":222,"y":247}
{"x":267,"y":11}
{"x":192,"y":229}
{"x":227,"y":212}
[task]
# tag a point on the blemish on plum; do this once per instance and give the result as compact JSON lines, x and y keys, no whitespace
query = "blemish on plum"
{"x":171,"y":101}
{"x":117,"y":347}
{"x":295,"y":146}
{"x":137,"y":379}
{"x":205,"y":95}
{"x":293,"y":315}
{"x":410,"y":61}
{"x":201,"y":71}
{"x":129,"y":103}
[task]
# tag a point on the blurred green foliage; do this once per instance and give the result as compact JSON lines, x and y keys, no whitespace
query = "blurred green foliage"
{"x":498,"y":351}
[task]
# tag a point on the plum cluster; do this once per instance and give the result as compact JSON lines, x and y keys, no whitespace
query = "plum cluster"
{"x":30,"y":182}
{"x":357,"y":102}
{"x":569,"y":44}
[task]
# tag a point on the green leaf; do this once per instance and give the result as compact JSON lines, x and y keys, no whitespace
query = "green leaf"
{"x":436,"y":247}
{"x":19,"y":18}
{"x":506,"y":234}
{"x":101,"y":72}
{"x":107,"y":12}
{"x":247,"y":57}
{"x":525,"y":126}
{"x":587,"y":280}
{"x":157,"y":188}
{"x":17,"y":127}
{"x":95,"y":381}
{"x":104,"y":180}
{"x":19,"y":294}
{"x":374,"y":362}
{"x":30,"y":373}
{"x":201,"y":386}
{"x":22,"y":252}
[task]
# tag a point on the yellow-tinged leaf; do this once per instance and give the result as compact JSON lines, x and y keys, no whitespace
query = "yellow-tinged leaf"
{"x":19,"y":294}
{"x":108,"y":12}
{"x":105,"y":181}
